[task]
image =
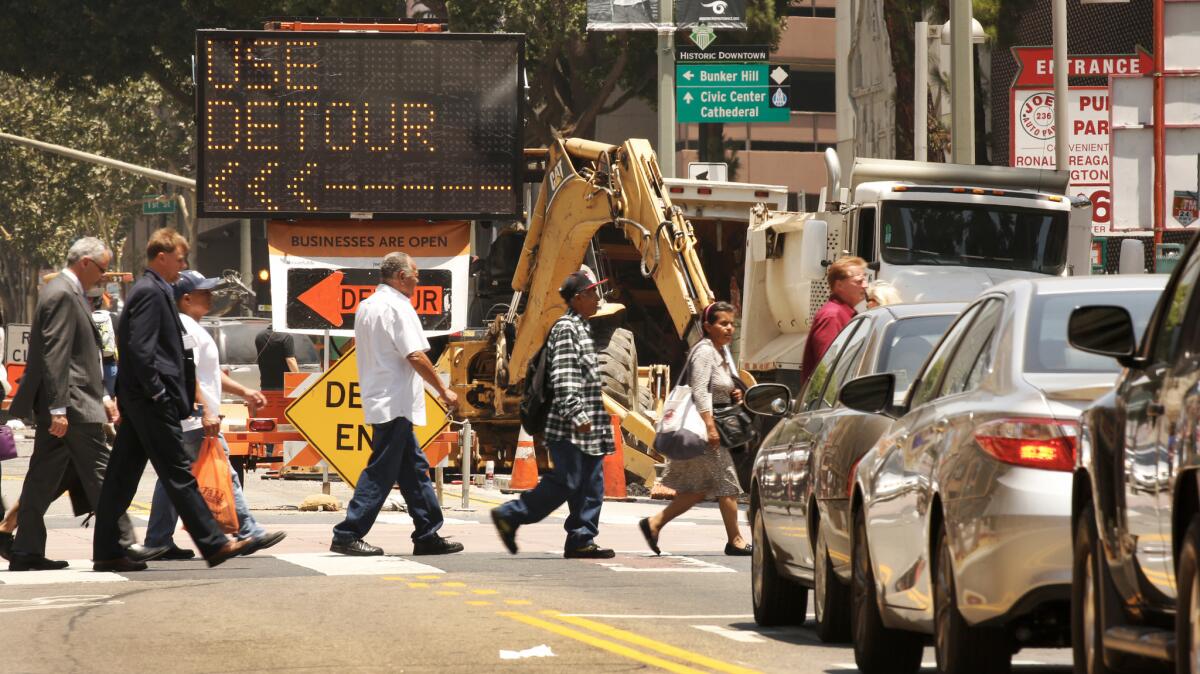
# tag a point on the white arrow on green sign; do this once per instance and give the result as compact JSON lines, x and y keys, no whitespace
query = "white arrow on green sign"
{"x":732,"y":92}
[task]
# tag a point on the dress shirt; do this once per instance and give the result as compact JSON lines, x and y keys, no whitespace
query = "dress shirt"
{"x":386,"y":331}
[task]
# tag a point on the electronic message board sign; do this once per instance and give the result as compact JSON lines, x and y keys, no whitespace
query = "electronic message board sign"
{"x":359,"y":125}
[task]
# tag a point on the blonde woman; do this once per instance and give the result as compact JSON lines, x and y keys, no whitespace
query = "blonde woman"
{"x":882,"y":294}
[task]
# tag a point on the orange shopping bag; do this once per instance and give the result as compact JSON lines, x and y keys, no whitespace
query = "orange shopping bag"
{"x":216,"y":483}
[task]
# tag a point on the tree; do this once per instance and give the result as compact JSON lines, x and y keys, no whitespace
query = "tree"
{"x":47,"y":201}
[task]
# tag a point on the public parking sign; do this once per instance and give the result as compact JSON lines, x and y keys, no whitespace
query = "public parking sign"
{"x":329,"y":415}
{"x":732,"y":92}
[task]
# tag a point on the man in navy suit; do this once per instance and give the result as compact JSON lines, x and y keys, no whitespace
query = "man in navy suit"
{"x":156,"y":390}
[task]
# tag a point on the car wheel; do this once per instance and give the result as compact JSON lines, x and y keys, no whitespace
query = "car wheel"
{"x":877,"y":649}
{"x":962,"y":648}
{"x":1187,"y":620}
{"x":1087,"y":625}
{"x":831,"y":598}
{"x":777,"y":600}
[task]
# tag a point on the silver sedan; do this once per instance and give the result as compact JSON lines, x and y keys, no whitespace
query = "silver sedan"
{"x":961,"y":512}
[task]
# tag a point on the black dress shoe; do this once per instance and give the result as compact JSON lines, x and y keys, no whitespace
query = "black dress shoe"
{"x":436,"y":545}
{"x":34,"y":563}
{"x":734,"y":551}
{"x":506,"y":529}
{"x":355,"y":548}
{"x":176,"y":553}
{"x":6,"y":541}
{"x":119,"y":565}
{"x":591,"y":551}
{"x":142,"y":553}
{"x":651,"y":539}
{"x":267,"y":540}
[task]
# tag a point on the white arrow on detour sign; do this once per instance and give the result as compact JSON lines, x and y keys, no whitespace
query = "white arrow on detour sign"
{"x":329,"y":415}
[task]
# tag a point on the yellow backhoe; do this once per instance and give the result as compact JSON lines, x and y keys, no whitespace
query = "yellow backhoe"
{"x":605,"y":206}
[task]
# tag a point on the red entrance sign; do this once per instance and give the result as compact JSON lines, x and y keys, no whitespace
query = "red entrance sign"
{"x":1035,"y":65}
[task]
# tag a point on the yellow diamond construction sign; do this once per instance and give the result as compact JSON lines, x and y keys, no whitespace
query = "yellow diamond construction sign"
{"x":329,"y":415}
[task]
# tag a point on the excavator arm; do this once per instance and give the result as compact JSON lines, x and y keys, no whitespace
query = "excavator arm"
{"x":590,"y":185}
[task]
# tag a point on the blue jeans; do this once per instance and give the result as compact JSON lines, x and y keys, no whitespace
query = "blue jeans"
{"x":577,"y":479}
{"x":395,"y":459}
{"x":161,"y":528}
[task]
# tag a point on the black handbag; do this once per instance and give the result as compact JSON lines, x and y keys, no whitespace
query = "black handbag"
{"x":734,"y":426}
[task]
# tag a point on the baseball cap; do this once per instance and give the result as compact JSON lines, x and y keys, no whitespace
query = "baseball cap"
{"x":191,"y":280}
{"x":578,"y":282}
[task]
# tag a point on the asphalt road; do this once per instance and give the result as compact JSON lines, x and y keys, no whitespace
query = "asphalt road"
{"x":298,"y":608}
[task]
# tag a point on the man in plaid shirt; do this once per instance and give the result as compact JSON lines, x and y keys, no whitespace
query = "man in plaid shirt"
{"x":578,"y":432}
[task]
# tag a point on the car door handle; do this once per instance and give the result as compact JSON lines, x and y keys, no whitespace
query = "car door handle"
{"x":1155,"y":409}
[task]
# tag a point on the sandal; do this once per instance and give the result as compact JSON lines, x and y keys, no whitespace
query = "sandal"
{"x":651,"y":539}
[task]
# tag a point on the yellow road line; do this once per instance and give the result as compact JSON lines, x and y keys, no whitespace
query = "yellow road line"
{"x":484,"y":592}
{"x":639,"y":640}
{"x":517,"y":602}
{"x":417,"y":585}
{"x":603,"y":644}
{"x":479,"y":602}
{"x":138,"y":507}
{"x":453,"y":583}
{"x":475,"y":499}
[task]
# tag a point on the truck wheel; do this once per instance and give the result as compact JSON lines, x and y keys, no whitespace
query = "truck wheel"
{"x":962,"y":648}
{"x":877,"y":649}
{"x":617,"y":355}
{"x":777,"y":600}
{"x":1087,"y":598}
{"x":831,"y":598}
{"x":1187,"y":619}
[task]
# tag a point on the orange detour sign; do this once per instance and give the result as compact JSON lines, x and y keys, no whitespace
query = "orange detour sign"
{"x":329,"y":415}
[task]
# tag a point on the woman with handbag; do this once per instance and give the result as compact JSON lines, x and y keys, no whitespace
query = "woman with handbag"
{"x":718,"y":398}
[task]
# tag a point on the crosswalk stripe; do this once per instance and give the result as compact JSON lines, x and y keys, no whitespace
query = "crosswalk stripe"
{"x":79,"y":571}
{"x":331,"y":564}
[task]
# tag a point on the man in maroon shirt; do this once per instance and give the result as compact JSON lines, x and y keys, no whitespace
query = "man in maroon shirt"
{"x":847,"y":279}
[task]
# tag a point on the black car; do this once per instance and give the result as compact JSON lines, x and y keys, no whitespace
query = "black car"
{"x":1136,"y":492}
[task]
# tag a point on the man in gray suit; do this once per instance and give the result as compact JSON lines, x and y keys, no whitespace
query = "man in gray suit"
{"x":63,"y":389}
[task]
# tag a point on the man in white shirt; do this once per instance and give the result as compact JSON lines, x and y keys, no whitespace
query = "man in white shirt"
{"x":193,"y":295}
{"x":391,"y":364}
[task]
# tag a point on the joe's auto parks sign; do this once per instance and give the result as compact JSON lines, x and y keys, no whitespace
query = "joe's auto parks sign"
{"x":1033,"y":136}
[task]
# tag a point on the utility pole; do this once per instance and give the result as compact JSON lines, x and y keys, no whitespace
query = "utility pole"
{"x":666,"y":87}
{"x":1061,"y":111}
{"x":962,"y":84}
{"x":921,"y":91}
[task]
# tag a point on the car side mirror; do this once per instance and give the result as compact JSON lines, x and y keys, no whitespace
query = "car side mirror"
{"x":1103,"y":330}
{"x":873,"y":394}
{"x":773,"y":400}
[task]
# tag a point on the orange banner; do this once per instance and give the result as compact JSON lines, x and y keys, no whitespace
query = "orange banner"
{"x":338,"y":238}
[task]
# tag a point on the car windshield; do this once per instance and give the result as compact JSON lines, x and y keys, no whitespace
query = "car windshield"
{"x":971,"y":235}
{"x":1046,"y":347}
{"x":907,"y":343}
{"x":240,"y":349}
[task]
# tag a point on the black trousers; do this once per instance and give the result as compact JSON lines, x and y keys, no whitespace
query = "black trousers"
{"x":147,"y":432}
{"x":83,"y":451}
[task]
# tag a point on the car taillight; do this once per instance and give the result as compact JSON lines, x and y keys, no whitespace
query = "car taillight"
{"x":1048,"y":444}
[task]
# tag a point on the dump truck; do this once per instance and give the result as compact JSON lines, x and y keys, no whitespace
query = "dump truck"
{"x":936,"y":232}
{"x":607,"y":207}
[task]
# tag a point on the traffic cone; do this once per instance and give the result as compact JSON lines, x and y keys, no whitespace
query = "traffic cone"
{"x":614,"y":465}
{"x":525,"y":471}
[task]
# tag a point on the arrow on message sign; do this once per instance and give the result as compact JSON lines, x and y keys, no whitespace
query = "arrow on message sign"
{"x":687,"y":75}
{"x":688,"y":97}
{"x":326,"y":297}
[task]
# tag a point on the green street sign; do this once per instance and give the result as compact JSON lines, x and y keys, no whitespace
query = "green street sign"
{"x":732,"y":92}
{"x":157,"y":204}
